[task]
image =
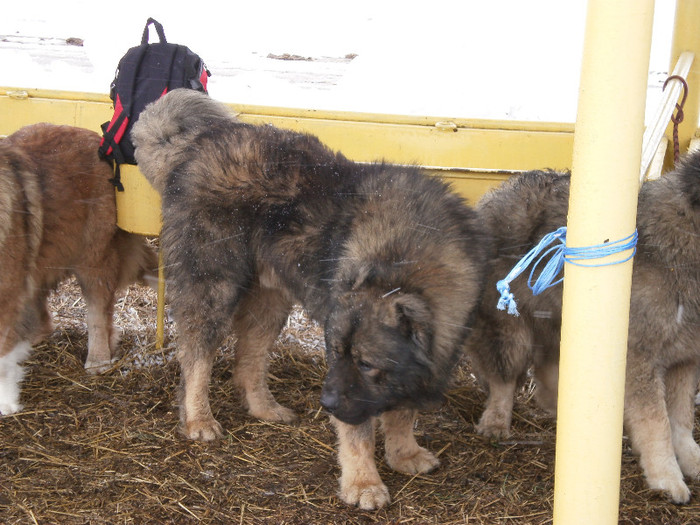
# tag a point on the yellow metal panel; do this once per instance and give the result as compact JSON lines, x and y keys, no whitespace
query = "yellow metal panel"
{"x":478,"y":153}
{"x":138,"y":206}
{"x":20,"y":107}
{"x":428,"y":145}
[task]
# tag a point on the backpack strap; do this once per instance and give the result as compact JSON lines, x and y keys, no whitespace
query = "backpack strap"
{"x":159,"y":30}
{"x":117,"y":179}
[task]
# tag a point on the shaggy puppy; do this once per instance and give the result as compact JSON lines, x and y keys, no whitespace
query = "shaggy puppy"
{"x":57,"y":218}
{"x":256,"y":219}
{"x":663,"y":358}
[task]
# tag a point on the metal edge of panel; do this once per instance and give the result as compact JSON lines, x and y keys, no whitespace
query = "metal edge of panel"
{"x":445,"y":123}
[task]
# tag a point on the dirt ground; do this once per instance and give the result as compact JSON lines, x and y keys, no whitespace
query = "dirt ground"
{"x":106,"y":449}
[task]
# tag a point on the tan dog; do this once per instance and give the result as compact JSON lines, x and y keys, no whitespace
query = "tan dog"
{"x":387,"y":259}
{"x":57,"y":218}
{"x":663,"y":357}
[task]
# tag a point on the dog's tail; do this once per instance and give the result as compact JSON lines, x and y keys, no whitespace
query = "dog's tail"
{"x":20,"y":197}
{"x":537,"y":201}
{"x":166,"y":127}
{"x":138,"y":260}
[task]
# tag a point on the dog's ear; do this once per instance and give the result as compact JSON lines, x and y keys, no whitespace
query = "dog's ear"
{"x":362,"y":276}
{"x":414,"y":322}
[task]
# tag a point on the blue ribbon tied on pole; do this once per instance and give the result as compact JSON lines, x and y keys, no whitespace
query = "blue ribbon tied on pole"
{"x":555,"y":256}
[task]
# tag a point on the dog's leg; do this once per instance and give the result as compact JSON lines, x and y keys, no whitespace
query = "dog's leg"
{"x":503,"y":349}
{"x":196,"y":364}
{"x":15,"y":322}
{"x":11,"y":373}
{"x":100,"y":306}
{"x":206,"y":282}
{"x":649,"y":429}
{"x":681,"y":386}
{"x":360,"y":483}
{"x":547,"y":379}
{"x":44,"y":325}
{"x":402,"y":451}
{"x":258,"y":321}
{"x":495,"y":421}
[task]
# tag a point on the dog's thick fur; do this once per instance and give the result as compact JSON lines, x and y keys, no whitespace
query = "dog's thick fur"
{"x":663,"y":359}
{"x":58,"y":217}
{"x":256,"y":219}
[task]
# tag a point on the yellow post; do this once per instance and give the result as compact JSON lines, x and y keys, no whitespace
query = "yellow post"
{"x":686,"y":37}
{"x":603,"y":202}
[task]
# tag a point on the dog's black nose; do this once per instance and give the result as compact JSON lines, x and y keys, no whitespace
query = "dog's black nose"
{"x":330,"y":400}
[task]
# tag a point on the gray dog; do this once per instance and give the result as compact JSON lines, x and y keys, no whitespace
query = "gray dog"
{"x":663,"y":360}
{"x":386,"y":258}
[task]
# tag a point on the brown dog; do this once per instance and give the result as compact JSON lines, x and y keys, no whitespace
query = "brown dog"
{"x":57,"y":218}
{"x":256,"y":219}
{"x":663,"y":358}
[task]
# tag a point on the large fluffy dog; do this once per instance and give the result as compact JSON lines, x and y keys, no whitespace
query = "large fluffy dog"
{"x":58,"y":217}
{"x":663,"y":359}
{"x":256,"y":219}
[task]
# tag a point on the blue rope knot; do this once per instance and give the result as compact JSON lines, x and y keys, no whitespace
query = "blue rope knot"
{"x":558,"y":254}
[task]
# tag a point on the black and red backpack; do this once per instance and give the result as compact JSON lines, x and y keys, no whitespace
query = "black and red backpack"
{"x":144,"y":74}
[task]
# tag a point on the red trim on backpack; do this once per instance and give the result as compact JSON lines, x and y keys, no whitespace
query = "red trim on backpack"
{"x":122,"y":129}
{"x":118,"y":108}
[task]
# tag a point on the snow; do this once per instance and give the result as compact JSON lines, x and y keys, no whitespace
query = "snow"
{"x":503,"y":59}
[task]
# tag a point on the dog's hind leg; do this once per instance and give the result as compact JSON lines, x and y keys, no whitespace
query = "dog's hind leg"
{"x":360,"y":483}
{"x":547,"y":380}
{"x":495,"y":420}
{"x":196,"y":361}
{"x":11,"y":373}
{"x":402,"y":451}
{"x":502,"y":349}
{"x":42,"y":324}
{"x":259,"y":318}
{"x":681,"y":386}
{"x":649,"y":429}
{"x":99,"y":300}
{"x":16,"y":320}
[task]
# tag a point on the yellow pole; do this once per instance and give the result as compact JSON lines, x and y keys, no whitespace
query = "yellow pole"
{"x":686,"y":37}
{"x":603,"y":202}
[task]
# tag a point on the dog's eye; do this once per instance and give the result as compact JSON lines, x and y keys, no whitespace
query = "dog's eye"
{"x":364,"y":366}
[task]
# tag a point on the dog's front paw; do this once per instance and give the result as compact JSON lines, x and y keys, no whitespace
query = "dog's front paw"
{"x":675,"y":489}
{"x":369,"y":495}
{"x":494,"y":425}
{"x":9,"y":408}
{"x":418,"y":461}
{"x":97,"y":366}
{"x":203,"y":430}
{"x":688,"y":455}
{"x":274,"y":412}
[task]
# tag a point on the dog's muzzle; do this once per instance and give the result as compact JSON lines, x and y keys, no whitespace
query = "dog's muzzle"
{"x":330,"y":400}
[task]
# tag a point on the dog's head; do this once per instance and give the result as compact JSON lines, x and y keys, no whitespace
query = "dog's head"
{"x":167,"y":126}
{"x":378,"y":352}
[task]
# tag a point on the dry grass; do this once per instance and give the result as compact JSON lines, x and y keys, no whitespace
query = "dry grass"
{"x":106,"y":450}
